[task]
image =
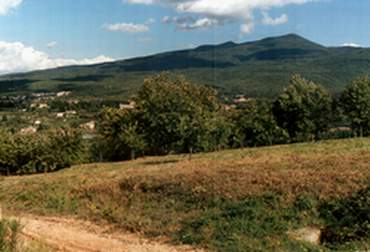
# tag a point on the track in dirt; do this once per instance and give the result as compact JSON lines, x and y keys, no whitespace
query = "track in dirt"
{"x":69,"y":235}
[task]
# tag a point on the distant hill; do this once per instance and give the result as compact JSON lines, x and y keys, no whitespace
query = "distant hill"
{"x":260,"y":69}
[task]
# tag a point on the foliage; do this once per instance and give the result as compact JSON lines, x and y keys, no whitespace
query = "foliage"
{"x":355,"y":102}
{"x":170,"y":115}
{"x":45,"y":152}
{"x":347,"y":219}
{"x":254,"y":125}
{"x":176,"y":115}
{"x":9,"y":231}
{"x":256,"y":224}
{"x":303,"y":109}
{"x":119,"y":135}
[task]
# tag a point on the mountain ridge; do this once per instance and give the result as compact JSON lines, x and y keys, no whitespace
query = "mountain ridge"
{"x":260,"y":68}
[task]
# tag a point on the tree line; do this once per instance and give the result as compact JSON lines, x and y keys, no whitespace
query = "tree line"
{"x":173,"y":116}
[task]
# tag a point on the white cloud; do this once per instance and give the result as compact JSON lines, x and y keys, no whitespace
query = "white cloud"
{"x":189,"y":23}
{"x":231,"y":10}
{"x":51,"y":44}
{"x":247,"y":28}
{"x":267,"y":20}
{"x":150,"y":21}
{"x":351,"y":45}
{"x":128,"y":27}
{"x":7,"y":5}
{"x":16,"y":57}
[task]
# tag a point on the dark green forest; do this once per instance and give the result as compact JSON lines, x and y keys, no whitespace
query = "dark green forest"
{"x":257,"y":69}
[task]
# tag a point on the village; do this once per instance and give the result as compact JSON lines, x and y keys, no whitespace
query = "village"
{"x":43,"y":110}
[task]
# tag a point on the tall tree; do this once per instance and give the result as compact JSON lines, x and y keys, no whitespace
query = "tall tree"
{"x":303,"y":109}
{"x":254,"y":125}
{"x":178,"y":116}
{"x":355,"y":102}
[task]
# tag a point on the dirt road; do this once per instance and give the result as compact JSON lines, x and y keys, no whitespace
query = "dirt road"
{"x":69,"y":235}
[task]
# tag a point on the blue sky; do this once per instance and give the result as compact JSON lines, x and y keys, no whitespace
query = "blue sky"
{"x":51,"y":33}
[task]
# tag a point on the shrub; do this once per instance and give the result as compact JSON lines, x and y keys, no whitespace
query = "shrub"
{"x":347,"y":219}
{"x":9,"y":231}
{"x":50,"y":151}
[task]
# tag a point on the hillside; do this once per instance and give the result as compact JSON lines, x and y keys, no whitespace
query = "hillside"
{"x":236,"y":200}
{"x":260,"y":68}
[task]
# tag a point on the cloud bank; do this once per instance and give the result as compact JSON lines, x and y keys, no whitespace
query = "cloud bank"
{"x":8,"y":5}
{"x":351,"y":45}
{"x":51,"y":44}
{"x":267,"y":20}
{"x":215,"y":12}
{"x":16,"y":57}
{"x":128,"y":27}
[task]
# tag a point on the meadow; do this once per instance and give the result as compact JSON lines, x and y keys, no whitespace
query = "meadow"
{"x":235,"y":200}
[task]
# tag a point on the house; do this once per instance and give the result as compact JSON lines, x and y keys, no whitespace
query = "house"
{"x":71,"y":112}
{"x":89,"y":125}
{"x":64,"y":93}
{"x":130,"y":105}
{"x":39,"y":105}
{"x":240,"y":99}
{"x":229,"y":107}
{"x":66,"y":114}
{"x":29,"y":130}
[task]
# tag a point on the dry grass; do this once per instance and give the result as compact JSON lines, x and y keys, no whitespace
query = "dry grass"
{"x":155,"y":195}
{"x":326,"y":169}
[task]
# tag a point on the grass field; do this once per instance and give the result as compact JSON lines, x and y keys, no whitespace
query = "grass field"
{"x":235,"y":200}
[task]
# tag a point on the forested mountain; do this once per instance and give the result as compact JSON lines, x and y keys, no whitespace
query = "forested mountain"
{"x":260,"y":68}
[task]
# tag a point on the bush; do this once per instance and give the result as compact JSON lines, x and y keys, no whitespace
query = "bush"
{"x":9,"y":231}
{"x":50,"y":151}
{"x":347,"y":219}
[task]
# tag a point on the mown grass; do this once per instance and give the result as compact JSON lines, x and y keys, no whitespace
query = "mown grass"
{"x":235,"y":200}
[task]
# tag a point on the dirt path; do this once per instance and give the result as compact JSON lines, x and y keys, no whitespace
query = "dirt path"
{"x":69,"y":235}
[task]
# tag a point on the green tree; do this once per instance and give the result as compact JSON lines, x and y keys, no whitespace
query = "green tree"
{"x":254,"y":125}
{"x":355,"y":103}
{"x":119,"y":135}
{"x":177,"y":116}
{"x":303,"y":109}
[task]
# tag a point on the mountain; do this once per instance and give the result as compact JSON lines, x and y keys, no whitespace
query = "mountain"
{"x":260,"y":69}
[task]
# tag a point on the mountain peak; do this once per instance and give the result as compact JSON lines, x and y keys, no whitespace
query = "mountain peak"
{"x":228,"y":44}
{"x":290,"y":40}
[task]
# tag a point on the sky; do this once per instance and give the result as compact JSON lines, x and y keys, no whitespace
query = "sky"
{"x":40,"y":34}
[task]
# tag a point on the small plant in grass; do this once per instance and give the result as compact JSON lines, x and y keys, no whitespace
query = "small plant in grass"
{"x":347,"y":219}
{"x":9,"y":231}
{"x":258,"y":223}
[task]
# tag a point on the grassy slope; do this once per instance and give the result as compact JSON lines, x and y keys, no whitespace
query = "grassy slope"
{"x":237,"y":200}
